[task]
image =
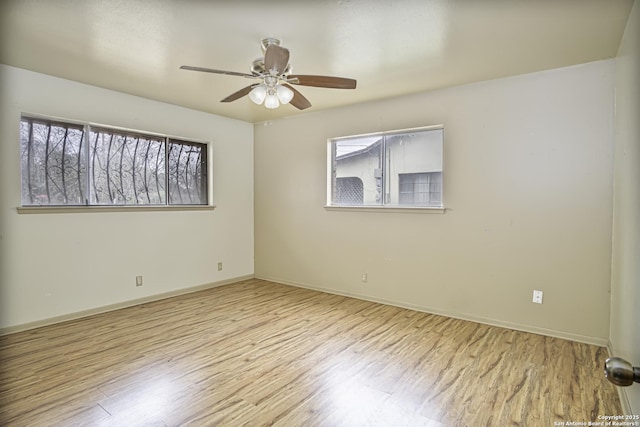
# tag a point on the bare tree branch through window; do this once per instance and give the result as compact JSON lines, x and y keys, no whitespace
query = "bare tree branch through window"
{"x":120,"y":167}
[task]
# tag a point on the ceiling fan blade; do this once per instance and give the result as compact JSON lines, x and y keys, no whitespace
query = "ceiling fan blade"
{"x":276,"y":58}
{"x":211,"y":70}
{"x":322,"y":81}
{"x":298,"y":100}
{"x":239,"y":94}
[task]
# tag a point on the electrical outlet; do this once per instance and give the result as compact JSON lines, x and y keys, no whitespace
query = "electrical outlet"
{"x":364,"y":277}
{"x":138,"y":280}
{"x":219,"y":266}
{"x":537,"y":297}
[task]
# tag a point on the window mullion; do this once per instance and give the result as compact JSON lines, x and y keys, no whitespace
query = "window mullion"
{"x":166,"y":171}
{"x":87,"y":164}
{"x":30,"y":161}
{"x":46,"y":163}
{"x":383,"y":165}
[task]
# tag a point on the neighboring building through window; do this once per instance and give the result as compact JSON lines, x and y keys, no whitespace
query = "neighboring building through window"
{"x":421,"y":189}
{"x":349,"y":191}
{"x":399,"y":168}
{"x":80,"y":165}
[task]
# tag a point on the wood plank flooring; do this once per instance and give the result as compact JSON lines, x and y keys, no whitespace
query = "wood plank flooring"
{"x":256,"y":353}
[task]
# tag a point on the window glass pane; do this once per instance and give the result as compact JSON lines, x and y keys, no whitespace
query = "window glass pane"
{"x":360,"y":161}
{"x":349,"y":191}
{"x":74,"y":164}
{"x":52,"y":163}
{"x":435,"y":189}
{"x":187,"y":173}
{"x":421,"y":189}
{"x":413,"y":159}
{"x":392,"y":168}
{"x":126,"y":168}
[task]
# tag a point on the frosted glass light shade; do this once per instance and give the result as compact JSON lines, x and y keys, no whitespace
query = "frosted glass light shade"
{"x":284,"y":94}
{"x":271,"y":101}
{"x":258,"y":94}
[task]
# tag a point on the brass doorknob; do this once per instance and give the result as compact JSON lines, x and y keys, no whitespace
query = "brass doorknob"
{"x":620,"y":372}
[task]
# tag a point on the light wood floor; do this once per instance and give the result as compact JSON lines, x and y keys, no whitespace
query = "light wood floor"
{"x":257,"y":353}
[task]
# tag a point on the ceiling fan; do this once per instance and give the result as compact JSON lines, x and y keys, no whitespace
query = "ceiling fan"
{"x":273,"y":73}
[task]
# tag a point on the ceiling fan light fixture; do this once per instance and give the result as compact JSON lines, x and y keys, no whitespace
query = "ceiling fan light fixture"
{"x":271,"y":101}
{"x":273,"y":71}
{"x":258,"y":94}
{"x":284,"y":94}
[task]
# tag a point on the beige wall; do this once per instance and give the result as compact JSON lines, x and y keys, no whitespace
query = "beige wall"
{"x":625,"y":278}
{"x":59,"y":264}
{"x":528,"y":187}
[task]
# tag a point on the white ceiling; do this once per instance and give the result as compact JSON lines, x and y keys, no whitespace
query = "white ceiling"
{"x":391,"y":47}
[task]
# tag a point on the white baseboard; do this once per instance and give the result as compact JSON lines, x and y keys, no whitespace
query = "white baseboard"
{"x":117,"y":306}
{"x":431,"y":310}
{"x":456,"y":315}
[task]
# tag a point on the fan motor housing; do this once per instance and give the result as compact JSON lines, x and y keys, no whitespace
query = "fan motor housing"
{"x":257,"y":67}
{"x":264,"y":43}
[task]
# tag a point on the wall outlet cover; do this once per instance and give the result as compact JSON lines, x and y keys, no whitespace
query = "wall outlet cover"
{"x":537,"y":297}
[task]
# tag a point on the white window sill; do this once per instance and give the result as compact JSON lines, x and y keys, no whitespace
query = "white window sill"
{"x":94,"y":209}
{"x":396,"y":209}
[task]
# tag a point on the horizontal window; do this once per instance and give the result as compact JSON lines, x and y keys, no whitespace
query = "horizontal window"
{"x":390,"y":169}
{"x":66,"y":164}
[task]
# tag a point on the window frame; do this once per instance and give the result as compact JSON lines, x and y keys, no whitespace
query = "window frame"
{"x":88,"y":128}
{"x":383,"y":207}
